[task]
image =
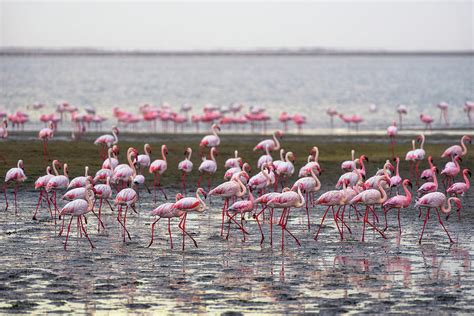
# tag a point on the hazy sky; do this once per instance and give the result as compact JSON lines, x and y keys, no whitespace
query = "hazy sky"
{"x":398,"y":25}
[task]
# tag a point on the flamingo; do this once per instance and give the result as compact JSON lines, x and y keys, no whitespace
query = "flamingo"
{"x":106,"y":172}
{"x":438,"y":201}
{"x":103,"y":192}
{"x":457,"y":150}
{"x":57,"y":183}
{"x":17,"y":176}
{"x":264,"y":159}
{"x":312,"y":163}
{"x":468,"y":108}
{"x":410,"y":156}
{"x":143,"y":160}
{"x":354,"y":177}
{"x":80,"y":182}
{"x":429,"y":187}
{"x":392,"y":132}
{"x":46,"y":134}
{"x":419,"y":155}
{"x":241,"y":207}
{"x":40,"y":184}
{"x":396,"y":180}
{"x":331,"y":112}
{"x":111,"y":162}
{"x":124,"y":172}
{"x":308,"y":185}
{"x":190,"y":204}
{"x":107,"y":140}
{"x":398,"y":202}
{"x":286,"y":201}
{"x":401,"y":110}
{"x":427,"y":120}
{"x":460,"y":187}
{"x":212,"y":140}
{"x":451,"y":170}
{"x":330,"y":199}
{"x":271,"y":144}
{"x":209,"y":167}
{"x":77,"y":193}
{"x":427,"y":174}
{"x":79,"y":208}
{"x":166,"y":210}
{"x":232,"y":188}
{"x":262,"y":180}
{"x":349,"y":165}
{"x":157,"y":168}
{"x":232,"y":171}
{"x":234,"y":162}
{"x":126,"y":197}
{"x":186,"y":166}
{"x":286,"y":169}
{"x":443,"y":106}
{"x":370,"y":198}
{"x":4,"y":129}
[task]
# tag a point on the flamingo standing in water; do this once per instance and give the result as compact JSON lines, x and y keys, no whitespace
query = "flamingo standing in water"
{"x":126,"y":197}
{"x":111,"y":162}
{"x":331,"y":112}
{"x":157,"y":168}
{"x":190,"y":204}
{"x":398,"y":202}
{"x":80,"y":182}
{"x":4,"y":129}
{"x":166,"y":210}
{"x":396,"y":180}
{"x":16,"y":176}
{"x":143,"y":160}
{"x":212,"y":140}
{"x":106,"y":171}
{"x":107,"y":140}
{"x":79,"y":208}
{"x":286,"y":169}
{"x":40,"y":184}
{"x":234,"y":162}
{"x":427,"y":120}
{"x":451,"y":170}
{"x":419,"y":156}
{"x":308,"y":185}
{"x":437,"y":200}
{"x":468,"y":108}
{"x":392,"y":132}
{"x":124,"y":172}
{"x":286,"y":201}
{"x":330,"y":199}
{"x":186,"y":166}
{"x":241,"y":207}
{"x":311,"y":164}
{"x":443,"y":107}
{"x":46,"y":134}
{"x":457,"y":150}
{"x":410,"y":156}
{"x":262,"y":180}
{"x":270,"y":144}
{"x":427,"y":174}
{"x":460,"y":187}
{"x":103,"y":192}
{"x":57,"y":183}
{"x":209,"y":167}
{"x":401,"y":110}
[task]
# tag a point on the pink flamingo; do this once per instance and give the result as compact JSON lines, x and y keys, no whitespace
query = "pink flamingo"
{"x":401,"y":110}
{"x":166,"y":210}
{"x":143,"y":160}
{"x":111,"y":162}
{"x":126,"y":197}
{"x":264,"y":159}
{"x":410,"y":156}
{"x":40,"y":184}
{"x":443,"y":106}
{"x":311,"y":164}
{"x":346,"y":119}
{"x":286,"y":201}
{"x":106,"y":172}
{"x":186,"y":166}
{"x":190,"y":204}
{"x":429,"y":187}
{"x":299,"y":121}
{"x":270,"y":144}
{"x":262,"y":180}
{"x":437,"y":200}
{"x":104,"y":193}
{"x":427,"y":120}
{"x":308,"y":185}
{"x":398,"y":202}
{"x":124,"y":172}
{"x":212,"y":140}
{"x":234,"y":162}
{"x":284,"y":118}
{"x":241,"y":207}
{"x":285,"y":169}
{"x":354,"y":177}
{"x":232,"y":188}
{"x":208,"y":167}
{"x":468,"y":108}
{"x":46,"y":134}
{"x":330,"y":199}
{"x":370,"y":198}
{"x":234,"y":170}
{"x":396,"y":180}
{"x":451,"y":170}
{"x":157,"y":168}
{"x":17,"y":176}
{"x":4,"y":129}
{"x":79,"y":208}
{"x":107,"y":140}
{"x":331,"y":112}
{"x":80,"y":182}
{"x":457,"y":150}
{"x":349,"y":165}
{"x":77,"y":193}
{"x":427,"y":174}
{"x":460,"y":187}
{"x":392,"y":132}
{"x":357,"y":119}
{"x":419,"y":154}
{"x":57,"y":183}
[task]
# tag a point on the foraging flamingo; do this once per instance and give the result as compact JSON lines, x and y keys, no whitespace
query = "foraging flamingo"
{"x":429,"y":187}
{"x":46,"y":134}
{"x":212,"y":140}
{"x":270,"y":144}
{"x":241,"y":207}
{"x":349,"y":165}
{"x":157,"y":168}
{"x":264,"y":159}
{"x":398,"y":202}
{"x":124,"y":172}
{"x":460,"y":187}
{"x":392,"y":132}
{"x":80,"y":182}
{"x":286,"y":201}
{"x":443,"y":107}
{"x":40,"y":184}
{"x":308,"y":185}
{"x":438,"y":201}
{"x":107,"y":140}
{"x":401,"y":110}
{"x":126,"y":197}
{"x":79,"y":208}
{"x":165,"y":210}
{"x":451,"y":170}
{"x":457,"y":150}
{"x":16,"y":176}
{"x":330,"y":199}
{"x":396,"y":180}
{"x":143,"y":160}
{"x":208,"y":167}
{"x":427,"y":174}
{"x":103,"y":192}
{"x":190,"y":204}
{"x":186,"y":166}
{"x":232,"y":188}
{"x":427,"y":120}
{"x":234,"y":162}
{"x":370,"y":198}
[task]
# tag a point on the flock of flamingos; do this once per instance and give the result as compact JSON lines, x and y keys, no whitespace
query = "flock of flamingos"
{"x":119,"y":182}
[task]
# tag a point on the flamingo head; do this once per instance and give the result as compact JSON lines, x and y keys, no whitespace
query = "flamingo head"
{"x":116,"y":130}
{"x":364,"y":158}
{"x":458,"y":158}
{"x":179,"y":196}
{"x":216,"y":126}
{"x":408,"y":182}
{"x":148,"y":148}
{"x":201,"y":191}
{"x":21,"y":164}
{"x":468,"y":139}
{"x":214,"y":151}
{"x":90,"y":180}
{"x":116,"y":150}
{"x":420,"y":138}
{"x":291,"y":156}
{"x":467,"y":172}
{"x":279,"y":134}
{"x":457,"y":202}
{"x":164,"y":148}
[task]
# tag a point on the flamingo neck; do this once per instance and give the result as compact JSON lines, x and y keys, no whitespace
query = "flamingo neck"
{"x":362,"y":166}
{"x":236,"y":154}
{"x":18,"y":164}
{"x":407,"y":192}
{"x":163,"y":153}
{"x":310,"y":157}
{"x":108,"y":181}
{"x":190,"y":152}
{"x":383,"y":197}
{"x":130,"y":163}
{"x":413,"y":144}
{"x":464,"y":148}
{"x":48,"y":170}
{"x":435,"y":179}
{"x":281,"y":155}
{"x":87,"y":172}
{"x":398,"y":164}
{"x":146,"y":151}
{"x":316,"y":154}
{"x":66,"y":174}
{"x":301,"y":200}
{"x":56,"y":173}
{"x":115,"y":136}
{"x":287,"y":157}
{"x":466,"y":180}
{"x":422,"y":141}
{"x":266,"y":151}
{"x":318,"y":183}
{"x":251,"y":198}
{"x":242,"y":187}
{"x":214,"y":130}
{"x":90,"y":200}
{"x":446,"y":206}
{"x":267,"y":177}
{"x":430,"y":161}
{"x":277,"y":143}
{"x":198,"y":196}
{"x":212,"y":155}
{"x":353,"y":154}
{"x":110,"y":159}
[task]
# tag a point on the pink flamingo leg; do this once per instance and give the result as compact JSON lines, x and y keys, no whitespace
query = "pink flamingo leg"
{"x":224,"y":208}
{"x":337,"y":225}
{"x":125,"y":222}
{"x":441,"y":223}
{"x":287,"y":230}
{"x":183,"y":228}
{"x":321,"y":225}
{"x":118,"y":219}
{"x":5,"y":193}
{"x":100,"y":209}
{"x":153,"y":232}
{"x":307,"y":211}
{"x":85,"y":232}
{"x":38,"y":205}
{"x":169,"y":232}
{"x":67,"y":234}
{"x":14,"y":195}
{"x":424,"y":225}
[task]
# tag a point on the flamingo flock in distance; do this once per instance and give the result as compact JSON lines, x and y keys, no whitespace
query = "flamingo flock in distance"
{"x":267,"y":196}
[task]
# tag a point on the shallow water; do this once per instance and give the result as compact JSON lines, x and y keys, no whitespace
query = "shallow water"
{"x":393,"y":275}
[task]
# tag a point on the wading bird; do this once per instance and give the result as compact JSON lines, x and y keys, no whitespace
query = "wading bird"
{"x":16,"y":176}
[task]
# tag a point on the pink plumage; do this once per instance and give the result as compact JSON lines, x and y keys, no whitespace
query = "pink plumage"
{"x":270,"y":144}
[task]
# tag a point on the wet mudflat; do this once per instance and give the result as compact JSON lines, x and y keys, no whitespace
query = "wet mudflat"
{"x":394,"y":275}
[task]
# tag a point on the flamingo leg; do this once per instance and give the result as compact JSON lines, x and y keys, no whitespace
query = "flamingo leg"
{"x":444,"y":227}
{"x":5,"y":193}
{"x":322,"y":221}
{"x":226,"y":201}
{"x":67,"y":234}
{"x":169,"y":232}
{"x":14,"y":196}
{"x":183,"y":228}
{"x":337,"y":225}
{"x":260,"y":228}
{"x":125,"y":222}
{"x":49,"y":204}
{"x":287,"y":230}
{"x":38,"y":205}
{"x":424,"y":224}
{"x":343,"y":222}
{"x":307,"y":211}
{"x":153,"y":231}
{"x":85,"y":232}
{"x":123,"y":226}
{"x":100,"y":221}
{"x":399,"y":226}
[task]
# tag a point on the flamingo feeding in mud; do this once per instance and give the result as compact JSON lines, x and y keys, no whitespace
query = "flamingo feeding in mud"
{"x":126,"y":197}
{"x":398,"y":202}
{"x":458,"y":150}
{"x":107,"y":141}
{"x":16,"y":176}
{"x":438,"y":201}
{"x":208,"y":167}
{"x":270,"y":144}
{"x":157,"y":168}
{"x":392,"y":132}
{"x":45,"y":134}
{"x":186,"y":166}
{"x":241,"y":207}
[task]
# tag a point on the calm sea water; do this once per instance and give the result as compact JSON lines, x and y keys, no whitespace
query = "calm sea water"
{"x":306,"y":85}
